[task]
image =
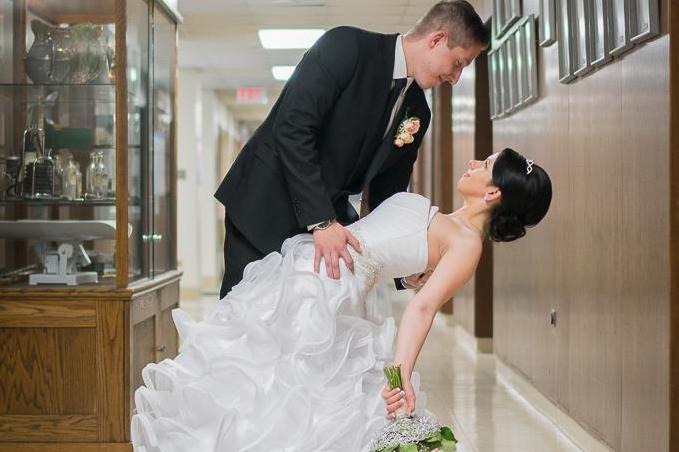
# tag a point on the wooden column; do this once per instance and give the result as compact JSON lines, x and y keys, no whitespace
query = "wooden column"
{"x":442,"y":170}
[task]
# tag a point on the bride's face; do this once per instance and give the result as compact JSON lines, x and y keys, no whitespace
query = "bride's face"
{"x":477,"y":180}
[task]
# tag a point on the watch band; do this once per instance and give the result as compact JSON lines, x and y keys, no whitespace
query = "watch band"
{"x":324,"y":225}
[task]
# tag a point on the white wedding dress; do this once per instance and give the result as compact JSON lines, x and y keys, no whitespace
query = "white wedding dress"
{"x":289,"y":360}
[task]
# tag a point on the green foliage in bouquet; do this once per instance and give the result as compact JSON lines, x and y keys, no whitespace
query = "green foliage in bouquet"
{"x":412,"y":434}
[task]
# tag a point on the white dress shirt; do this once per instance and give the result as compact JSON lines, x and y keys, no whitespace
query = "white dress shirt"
{"x":400,"y":71}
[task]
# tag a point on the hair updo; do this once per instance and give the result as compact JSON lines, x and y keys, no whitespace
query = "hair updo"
{"x":525,"y":197}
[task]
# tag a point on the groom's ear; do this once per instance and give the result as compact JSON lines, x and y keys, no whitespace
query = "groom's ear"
{"x":436,"y":37}
{"x":493,"y":194}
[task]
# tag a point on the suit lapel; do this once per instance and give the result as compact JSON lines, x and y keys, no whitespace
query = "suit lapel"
{"x":379,"y":88}
{"x":387,"y":145}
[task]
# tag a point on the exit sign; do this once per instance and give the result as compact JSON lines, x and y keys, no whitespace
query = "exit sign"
{"x":251,"y":95}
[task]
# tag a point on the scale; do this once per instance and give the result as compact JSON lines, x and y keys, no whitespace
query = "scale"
{"x":60,"y":264}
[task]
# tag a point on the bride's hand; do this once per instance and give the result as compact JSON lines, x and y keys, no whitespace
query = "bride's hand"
{"x":331,"y":245}
{"x":395,"y":399}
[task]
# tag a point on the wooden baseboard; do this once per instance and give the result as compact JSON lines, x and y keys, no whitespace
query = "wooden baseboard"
{"x":65,"y":447}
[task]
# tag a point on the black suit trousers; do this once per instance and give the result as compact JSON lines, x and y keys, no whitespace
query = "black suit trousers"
{"x":238,"y":252}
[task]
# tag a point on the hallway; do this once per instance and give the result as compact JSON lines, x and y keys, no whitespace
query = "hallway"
{"x":488,"y":406}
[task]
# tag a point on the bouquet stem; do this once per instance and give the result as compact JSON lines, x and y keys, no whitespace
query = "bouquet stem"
{"x":394,"y":380}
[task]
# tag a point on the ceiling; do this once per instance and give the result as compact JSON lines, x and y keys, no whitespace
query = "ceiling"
{"x":219,"y":37}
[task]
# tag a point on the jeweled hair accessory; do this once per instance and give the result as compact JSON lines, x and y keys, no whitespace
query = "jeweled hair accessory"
{"x":529,"y":166}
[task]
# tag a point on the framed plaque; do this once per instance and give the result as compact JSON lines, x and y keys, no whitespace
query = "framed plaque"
{"x":519,"y":47}
{"x":511,"y":14}
{"x":566,"y":66}
{"x":504,"y":80}
{"x":619,"y":21}
{"x":581,"y":39}
{"x":529,"y":62}
{"x":493,"y":85}
{"x":600,"y":44}
{"x":547,"y":23}
{"x":510,"y":56}
{"x":644,"y":22}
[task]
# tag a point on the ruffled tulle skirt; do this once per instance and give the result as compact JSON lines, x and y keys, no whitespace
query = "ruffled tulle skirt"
{"x":289,"y":360}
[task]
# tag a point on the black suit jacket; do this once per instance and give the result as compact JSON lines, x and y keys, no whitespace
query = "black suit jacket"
{"x":323,"y":140}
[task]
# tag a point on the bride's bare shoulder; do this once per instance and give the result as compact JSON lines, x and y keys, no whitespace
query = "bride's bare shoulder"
{"x":448,"y":232}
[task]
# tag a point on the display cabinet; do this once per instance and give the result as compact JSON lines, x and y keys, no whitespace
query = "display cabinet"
{"x":88,"y":266}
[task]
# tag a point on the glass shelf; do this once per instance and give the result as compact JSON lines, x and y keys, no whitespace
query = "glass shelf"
{"x":62,"y":202}
{"x":107,"y":202}
{"x":62,"y":93}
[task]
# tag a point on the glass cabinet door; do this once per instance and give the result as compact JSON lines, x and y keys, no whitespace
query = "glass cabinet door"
{"x":57,"y":142}
{"x":139,"y":190}
{"x":163,"y":123}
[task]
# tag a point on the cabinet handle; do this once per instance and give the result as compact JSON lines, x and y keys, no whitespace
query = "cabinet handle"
{"x":161,"y":349}
{"x":152,"y":237}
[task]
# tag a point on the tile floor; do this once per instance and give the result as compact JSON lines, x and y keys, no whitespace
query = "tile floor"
{"x":465,"y":392}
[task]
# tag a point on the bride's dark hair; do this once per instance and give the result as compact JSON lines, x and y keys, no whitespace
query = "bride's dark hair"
{"x":525,"y":196}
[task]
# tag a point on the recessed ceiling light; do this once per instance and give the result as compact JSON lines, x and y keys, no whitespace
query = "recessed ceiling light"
{"x":289,"y":39}
{"x":282,"y":73}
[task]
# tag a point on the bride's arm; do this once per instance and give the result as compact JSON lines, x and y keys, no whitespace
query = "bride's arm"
{"x":453,"y":271}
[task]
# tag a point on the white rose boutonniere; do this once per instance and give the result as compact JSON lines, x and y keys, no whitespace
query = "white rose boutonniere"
{"x":406,"y":130}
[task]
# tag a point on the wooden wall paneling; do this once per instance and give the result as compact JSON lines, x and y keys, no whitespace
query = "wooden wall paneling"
{"x":530,"y":276}
{"x":594,"y":374}
{"x":443,"y":155}
{"x":463,"y":126}
{"x":555,"y":233}
{"x":673,"y":24}
{"x":483,"y":147}
{"x":111,"y":322}
{"x":645,"y":301}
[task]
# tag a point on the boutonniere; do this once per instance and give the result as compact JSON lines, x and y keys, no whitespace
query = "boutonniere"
{"x":406,"y":130}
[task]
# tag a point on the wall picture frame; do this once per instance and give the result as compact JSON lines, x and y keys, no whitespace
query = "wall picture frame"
{"x":547,"y":23}
{"x":529,"y":62}
{"x":504,"y":79}
{"x":498,"y":17}
{"x":493,"y":86}
{"x":619,"y":20}
{"x":644,"y":21}
{"x":519,"y":48}
{"x":565,"y":31}
{"x":507,"y":12}
{"x":600,"y":43}
{"x":581,"y":37}
{"x":512,"y":74}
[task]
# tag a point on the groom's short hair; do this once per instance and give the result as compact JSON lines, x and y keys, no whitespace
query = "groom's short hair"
{"x":459,"y":19}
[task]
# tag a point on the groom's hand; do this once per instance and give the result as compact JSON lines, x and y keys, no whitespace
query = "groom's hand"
{"x":331,"y":245}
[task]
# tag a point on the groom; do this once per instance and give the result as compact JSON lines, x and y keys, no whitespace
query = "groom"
{"x":346,"y":120}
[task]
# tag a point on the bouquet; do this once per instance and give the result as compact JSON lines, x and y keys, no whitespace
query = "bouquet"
{"x":411,"y":434}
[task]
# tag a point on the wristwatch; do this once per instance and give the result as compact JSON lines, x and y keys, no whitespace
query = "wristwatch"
{"x":323,"y":225}
{"x":406,"y":284}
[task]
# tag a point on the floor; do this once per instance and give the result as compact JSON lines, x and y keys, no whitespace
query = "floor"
{"x":466,"y":392}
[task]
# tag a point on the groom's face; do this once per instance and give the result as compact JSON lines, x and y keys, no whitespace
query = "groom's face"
{"x":444,"y":64}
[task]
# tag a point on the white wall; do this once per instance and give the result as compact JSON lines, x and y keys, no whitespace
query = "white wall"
{"x":200,"y":216}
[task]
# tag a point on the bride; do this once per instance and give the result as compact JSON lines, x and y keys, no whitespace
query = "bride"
{"x":291,"y":360}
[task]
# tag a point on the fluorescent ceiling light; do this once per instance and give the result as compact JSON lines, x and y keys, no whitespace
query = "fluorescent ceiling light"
{"x":282,"y":73}
{"x":289,"y":39}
